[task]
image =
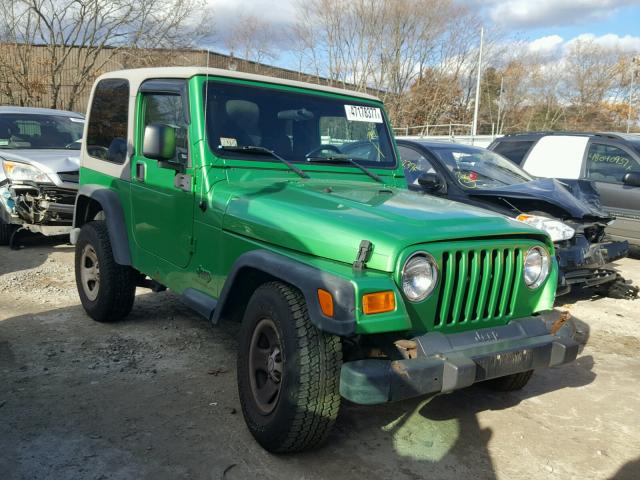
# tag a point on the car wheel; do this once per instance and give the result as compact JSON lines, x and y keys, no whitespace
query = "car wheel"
{"x":509,"y":383}
{"x":107,"y":289}
{"x":288,"y":371}
{"x":6,"y":230}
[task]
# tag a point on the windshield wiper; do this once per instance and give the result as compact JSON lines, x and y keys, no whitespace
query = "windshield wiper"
{"x":351,"y":160}
{"x":257,"y":149}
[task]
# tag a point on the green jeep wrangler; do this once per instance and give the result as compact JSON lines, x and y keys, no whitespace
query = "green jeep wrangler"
{"x":233,"y":191}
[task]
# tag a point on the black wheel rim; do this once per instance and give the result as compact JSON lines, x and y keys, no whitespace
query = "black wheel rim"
{"x":266,"y":366}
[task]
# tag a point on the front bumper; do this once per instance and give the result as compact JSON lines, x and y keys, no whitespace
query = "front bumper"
{"x":43,"y":208}
{"x":445,"y":363}
{"x":582,"y":263}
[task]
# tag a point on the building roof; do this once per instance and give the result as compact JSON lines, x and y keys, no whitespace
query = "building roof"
{"x":138,"y":75}
{"x":39,"y":111}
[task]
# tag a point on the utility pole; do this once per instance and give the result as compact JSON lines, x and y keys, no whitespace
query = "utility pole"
{"x":499,"y":129}
{"x":474,"y":130}
{"x":634,"y":60}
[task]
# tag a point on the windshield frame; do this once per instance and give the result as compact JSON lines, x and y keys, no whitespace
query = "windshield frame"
{"x":299,"y":91}
{"x":32,"y":116}
{"x":470,"y":150}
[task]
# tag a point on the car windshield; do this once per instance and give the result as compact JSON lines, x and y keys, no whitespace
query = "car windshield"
{"x":477,"y":168}
{"x":35,"y":131}
{"x":298,"y":127}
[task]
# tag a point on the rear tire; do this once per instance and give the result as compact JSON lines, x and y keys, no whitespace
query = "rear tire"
{"x":107,"y":290}
{"x":6,"y":230}
{"x":288,"y":372}
{"x":509,"y":383}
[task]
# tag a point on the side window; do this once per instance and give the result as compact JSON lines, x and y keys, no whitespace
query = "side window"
{"x":107,"y":130}
{"x":514,"y":151}
{"x":607,"y":163}
{"x":414,"y":164}
{"x":168,"y":109}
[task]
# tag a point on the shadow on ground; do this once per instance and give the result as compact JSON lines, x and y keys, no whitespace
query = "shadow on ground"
{"x":33,"y":252}
{"x":155,"y":397}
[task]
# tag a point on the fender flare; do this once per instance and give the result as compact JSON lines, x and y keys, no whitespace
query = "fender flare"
{"x":116,"y":225}
{"x":305,"y":278}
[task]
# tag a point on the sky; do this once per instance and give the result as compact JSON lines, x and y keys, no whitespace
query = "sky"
{"x":548,"y":26}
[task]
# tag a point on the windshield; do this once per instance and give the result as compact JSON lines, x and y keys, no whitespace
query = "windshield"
{"x":295,"y":126}
{"x":34,"y":131}
{"x":477,"y":168}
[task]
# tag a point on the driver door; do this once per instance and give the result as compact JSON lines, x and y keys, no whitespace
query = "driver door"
{"x":162,"y":195}
{"x":606,"y":165}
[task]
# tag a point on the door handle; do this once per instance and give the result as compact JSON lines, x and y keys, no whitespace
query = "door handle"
{"x":141,"y":169}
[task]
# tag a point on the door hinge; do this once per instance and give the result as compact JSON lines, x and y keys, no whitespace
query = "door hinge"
{"x":182,"y":181}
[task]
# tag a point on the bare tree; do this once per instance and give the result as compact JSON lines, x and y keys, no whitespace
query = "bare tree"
{"x":62,"y":45}
{"x":254,"y":39}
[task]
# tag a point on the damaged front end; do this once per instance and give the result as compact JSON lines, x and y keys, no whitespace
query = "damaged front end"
{"x":42,"y":208}
{"x":33,"y":198}
{"x":584,"y":258}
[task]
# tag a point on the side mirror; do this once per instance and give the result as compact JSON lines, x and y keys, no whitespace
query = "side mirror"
{"x":431,"y":182}
{"x":159,"y":142}
{"x":632,"y":179}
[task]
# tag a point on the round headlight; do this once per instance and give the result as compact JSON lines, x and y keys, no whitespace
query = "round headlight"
{"x":536,"y":267}
{"x":419,"y":276}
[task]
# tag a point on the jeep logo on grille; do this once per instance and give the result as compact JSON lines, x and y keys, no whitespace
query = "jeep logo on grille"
{"x":490,"y":336}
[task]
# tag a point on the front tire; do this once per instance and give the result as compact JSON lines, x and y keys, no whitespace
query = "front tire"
{"x":107,"y":290}
{"x":288,"y":372}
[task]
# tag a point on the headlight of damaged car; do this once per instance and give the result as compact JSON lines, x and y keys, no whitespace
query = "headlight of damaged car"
{"x":557,"y":230}
{"x":419,"y":276}
{"x":18,"y":171}
{"x":536,"y":267}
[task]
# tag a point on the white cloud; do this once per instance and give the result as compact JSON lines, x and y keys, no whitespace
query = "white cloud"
{"x":552,"y":49}
{"x":546,"y":45}
{"x":549,"y":13}
{"x":627,"y":43}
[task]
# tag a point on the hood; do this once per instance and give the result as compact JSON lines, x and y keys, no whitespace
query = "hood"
{"x":330,"y":219}
{"x":49,"y":161}
{"x":582,"y":206}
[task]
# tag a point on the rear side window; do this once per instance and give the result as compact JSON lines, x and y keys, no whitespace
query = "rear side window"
{"x":514,"y":151}
{"x":107,"y":130}
{"x":607,"y":163}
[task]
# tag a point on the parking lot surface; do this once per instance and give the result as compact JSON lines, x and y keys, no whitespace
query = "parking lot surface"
{"x":155,"y":397}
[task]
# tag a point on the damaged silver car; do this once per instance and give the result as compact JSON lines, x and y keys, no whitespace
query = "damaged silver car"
{"x":39,"y":176}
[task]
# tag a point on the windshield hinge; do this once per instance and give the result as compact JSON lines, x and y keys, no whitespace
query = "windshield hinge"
{"x":363,"y":254}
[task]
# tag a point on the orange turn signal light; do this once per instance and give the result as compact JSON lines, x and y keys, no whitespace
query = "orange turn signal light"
{"x":378,"y":302}
{"x":326,"y":302}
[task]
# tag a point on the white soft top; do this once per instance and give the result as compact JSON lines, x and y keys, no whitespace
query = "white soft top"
{"x":138,"y":75}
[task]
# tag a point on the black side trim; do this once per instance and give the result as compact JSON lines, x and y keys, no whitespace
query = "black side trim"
{"x":110,"y":203}
{"x":200,"y":302}
{"x":307,"y":279}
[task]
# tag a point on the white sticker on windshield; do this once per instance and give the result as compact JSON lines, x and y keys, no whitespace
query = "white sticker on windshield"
{"x":358,"y":113}
{"x":76,"y":120}
{"x":228,"y":142}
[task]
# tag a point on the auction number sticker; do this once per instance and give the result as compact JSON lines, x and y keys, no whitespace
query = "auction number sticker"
{"x":358,"y":113}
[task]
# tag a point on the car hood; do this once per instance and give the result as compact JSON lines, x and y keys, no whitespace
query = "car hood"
{"x":579,"y":203}
{"x":50,"y":161}
{"x":330,"y":219}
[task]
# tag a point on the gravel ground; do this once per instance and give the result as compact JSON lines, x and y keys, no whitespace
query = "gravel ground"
{"x":155,"y":397}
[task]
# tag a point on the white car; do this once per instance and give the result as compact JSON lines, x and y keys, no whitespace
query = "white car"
{"x":611,"y":161}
